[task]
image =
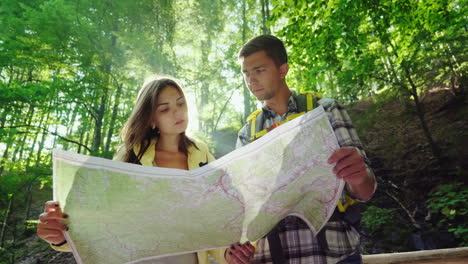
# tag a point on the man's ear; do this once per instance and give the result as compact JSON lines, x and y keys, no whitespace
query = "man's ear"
{"x":283,"y":70}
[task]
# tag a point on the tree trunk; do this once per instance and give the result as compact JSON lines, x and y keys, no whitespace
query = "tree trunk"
{"x":97,"y":138}
{"x":70,"y":127}
{"x":245,"y":90}
{"x":54,"y":144}
{"x":39,"y":151}
{"x":15,"y":121}
{"x":30,"y":116}
{"x":224,"y":109}
{"x":98,"y":123}
{"x":419,"y":109}
{"x":59,"y":116}
{"x":5,"y":220}
{"x":204,"y":89}
{"x":265,"y":16}
{"x":86,"y":143}
{"x":4,"y":158}
{"x":81,"y":141}
{"x":110,"y":132}
{"x":392,"y":69}
{"x":41,"y":145}
{"x":333,"y":88}
{"x":405,"y":209}
{"x":28,"y":200}
{"x":82,"y":129}
{"x":33,"y":145}
{"x":420,"y":112}
{"x":4,"y":115}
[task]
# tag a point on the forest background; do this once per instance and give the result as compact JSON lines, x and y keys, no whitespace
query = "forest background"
{"x":70,"y":71}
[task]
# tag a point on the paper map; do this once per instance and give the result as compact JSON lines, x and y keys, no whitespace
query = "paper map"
{"x":122,"y":213}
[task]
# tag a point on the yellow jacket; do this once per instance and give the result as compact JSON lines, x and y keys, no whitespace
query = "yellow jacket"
{"x":196,"y":157}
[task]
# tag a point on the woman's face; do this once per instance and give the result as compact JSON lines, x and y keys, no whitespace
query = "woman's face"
{"x":170,"y":116}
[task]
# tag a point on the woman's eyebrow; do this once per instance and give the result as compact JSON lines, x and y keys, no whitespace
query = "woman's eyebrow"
{"x":182,"y":97}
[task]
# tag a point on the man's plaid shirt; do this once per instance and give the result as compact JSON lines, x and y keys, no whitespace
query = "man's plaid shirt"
{"x":297,"y":240}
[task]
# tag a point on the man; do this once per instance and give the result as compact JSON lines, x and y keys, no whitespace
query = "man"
{"x":264,"y":63}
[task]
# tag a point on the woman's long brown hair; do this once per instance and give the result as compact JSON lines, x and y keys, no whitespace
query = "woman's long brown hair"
{"x":137,"y":131}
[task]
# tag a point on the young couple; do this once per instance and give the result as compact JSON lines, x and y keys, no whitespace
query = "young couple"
{"x":154,"y":135}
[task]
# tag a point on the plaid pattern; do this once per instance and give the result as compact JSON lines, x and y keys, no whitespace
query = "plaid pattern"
{"x":297,"y":240}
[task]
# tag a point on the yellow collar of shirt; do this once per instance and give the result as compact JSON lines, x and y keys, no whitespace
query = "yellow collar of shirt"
{"x":196,"y":156}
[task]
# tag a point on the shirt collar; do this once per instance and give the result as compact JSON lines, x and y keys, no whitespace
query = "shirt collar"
{"x":292,"y":107}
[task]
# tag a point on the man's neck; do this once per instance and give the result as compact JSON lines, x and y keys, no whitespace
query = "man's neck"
{"x":279,"y":103}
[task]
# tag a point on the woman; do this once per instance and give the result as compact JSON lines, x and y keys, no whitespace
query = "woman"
{"x":154,"y":135}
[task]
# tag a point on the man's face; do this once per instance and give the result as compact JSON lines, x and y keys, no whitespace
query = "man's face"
{"x":261,"y":75}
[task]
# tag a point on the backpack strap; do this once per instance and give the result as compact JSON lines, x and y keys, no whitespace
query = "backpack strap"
{"x":307,"y":101}
{"x":342,"y":207}
{"x":254,"y":125}
{"x":276,"y":249}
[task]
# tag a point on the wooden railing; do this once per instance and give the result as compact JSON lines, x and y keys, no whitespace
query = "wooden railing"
{"x":426,"y":256}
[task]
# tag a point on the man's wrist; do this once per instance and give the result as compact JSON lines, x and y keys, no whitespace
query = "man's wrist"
{"x":365,"y":190}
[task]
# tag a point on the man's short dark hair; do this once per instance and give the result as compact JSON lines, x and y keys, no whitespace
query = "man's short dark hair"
{"x":272,"y":45}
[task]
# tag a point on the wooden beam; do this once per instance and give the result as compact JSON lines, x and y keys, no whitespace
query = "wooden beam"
{"x":408,"y":257}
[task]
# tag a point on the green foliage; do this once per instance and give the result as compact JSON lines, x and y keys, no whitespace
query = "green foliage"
{"x":451,"y":201}
{"x":386,"y":232}
{"x":225,"y":140}
{"x":374,"y":219}
{"x":354,"y":49}
{"x":365,"y":120}
{"x":67,"y":66}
